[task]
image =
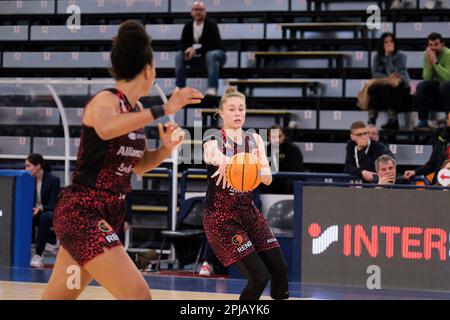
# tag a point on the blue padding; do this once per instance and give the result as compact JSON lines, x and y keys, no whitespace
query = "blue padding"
{"x":22,"y":216}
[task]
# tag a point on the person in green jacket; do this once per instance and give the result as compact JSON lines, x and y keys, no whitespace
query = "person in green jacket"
{"x":434,"y":91}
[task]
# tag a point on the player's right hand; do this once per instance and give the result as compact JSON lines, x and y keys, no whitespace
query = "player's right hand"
{"x":220,"y":174}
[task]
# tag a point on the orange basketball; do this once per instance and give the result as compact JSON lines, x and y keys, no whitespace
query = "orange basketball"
{"x":243,"y":172}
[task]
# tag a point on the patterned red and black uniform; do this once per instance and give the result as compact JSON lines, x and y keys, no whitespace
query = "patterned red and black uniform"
{"x":233,"y":224}
{"x":91,"y":211}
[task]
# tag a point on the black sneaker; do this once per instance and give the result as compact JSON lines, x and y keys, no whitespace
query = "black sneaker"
{"x":391,"y":125}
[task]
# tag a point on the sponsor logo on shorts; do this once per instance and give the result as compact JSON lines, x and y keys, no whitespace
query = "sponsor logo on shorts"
{"x":271,"y":240}
{"x":104,"y":226}
{"x":237,"y":240}
{"x":245,"y":246}
{"x":110,"y":238}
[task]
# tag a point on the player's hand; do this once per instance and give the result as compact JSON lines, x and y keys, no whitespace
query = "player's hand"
{"x":172,"y":137}
{"x":126,"y":226}
{"x":182,"y":97}
{"x":220,"y":174}
{"x":409,"y":174}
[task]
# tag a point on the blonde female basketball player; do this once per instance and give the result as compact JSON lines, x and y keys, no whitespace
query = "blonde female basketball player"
{"x":113,"y":145}
{"x":236,"y":230}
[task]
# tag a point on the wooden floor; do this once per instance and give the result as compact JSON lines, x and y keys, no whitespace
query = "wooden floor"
{"x":10,"y":290}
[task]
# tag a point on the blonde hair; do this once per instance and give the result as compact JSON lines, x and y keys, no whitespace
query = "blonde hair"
{"x":231,"y":92}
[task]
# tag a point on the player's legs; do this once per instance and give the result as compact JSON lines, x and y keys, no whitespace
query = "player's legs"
{"x":278,"y":269}
{"x":253,"y":268}
{"x":63,"y":284}
{"x":116,"y":272}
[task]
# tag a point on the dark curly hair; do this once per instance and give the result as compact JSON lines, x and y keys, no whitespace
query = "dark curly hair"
{"x":131,"y":51}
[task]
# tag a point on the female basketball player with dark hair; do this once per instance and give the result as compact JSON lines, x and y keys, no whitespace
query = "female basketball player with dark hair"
{"x":113,"y":145}
{"x":237,"y":232}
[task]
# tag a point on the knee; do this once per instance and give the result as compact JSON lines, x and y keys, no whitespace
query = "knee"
{"x":46,"y":217}
{"x":139,"y":293}
{"x":210,"y":57}
{"x":445,"y":87}
{"x":179,"y":59}
{"x":423,"y":87}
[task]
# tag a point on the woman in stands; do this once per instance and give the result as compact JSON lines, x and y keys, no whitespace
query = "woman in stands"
{"x":47,"y":190}
{"x":390,"y":81}
{"x":113,"y":145}
{"x":237,"y":232}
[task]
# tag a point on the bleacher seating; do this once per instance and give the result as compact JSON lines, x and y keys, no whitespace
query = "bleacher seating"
{"x":115,"y":6}
{"x":35,"y":41}
{"x":416,"y":30}
{"x":14,"y":145}
{"x":333,"y":153}
{"x":90,"y":32}
{"x":13,"y":33}
{"x":29,"y":116}
{"x":14,"y":7}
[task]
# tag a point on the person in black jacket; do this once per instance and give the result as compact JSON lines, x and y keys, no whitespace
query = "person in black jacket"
{"x":201,"y":45}
{"x":440,"y":153}
{"x":47,"y":190}
{"x":288,"y":158}
{"x":362,"y":153}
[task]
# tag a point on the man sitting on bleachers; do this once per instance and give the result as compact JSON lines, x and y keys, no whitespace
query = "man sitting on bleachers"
{"x":387,"y":171}
{"x":434,"y":91}
{"x":200,"y":44}
{"x":362,"y":153}
{"x":288,"y":158}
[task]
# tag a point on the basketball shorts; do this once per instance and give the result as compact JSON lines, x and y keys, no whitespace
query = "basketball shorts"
{"x":234,"y":234}
{"x":87,"y":220}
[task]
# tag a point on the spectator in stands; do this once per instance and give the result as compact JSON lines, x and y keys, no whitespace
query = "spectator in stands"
{"x":374,"y":135}
{"x":47,"y":190}
{"x":286,"y":158}
{"x":362,"y":153}
{"x":200,"y":44}
{"x":389,"y":86}
{"x":434,"y":91}
{"x":386,"y":168}
{"x":440,"y":153}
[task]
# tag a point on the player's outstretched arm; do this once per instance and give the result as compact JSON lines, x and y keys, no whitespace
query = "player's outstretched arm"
{"x":102,"y":113}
